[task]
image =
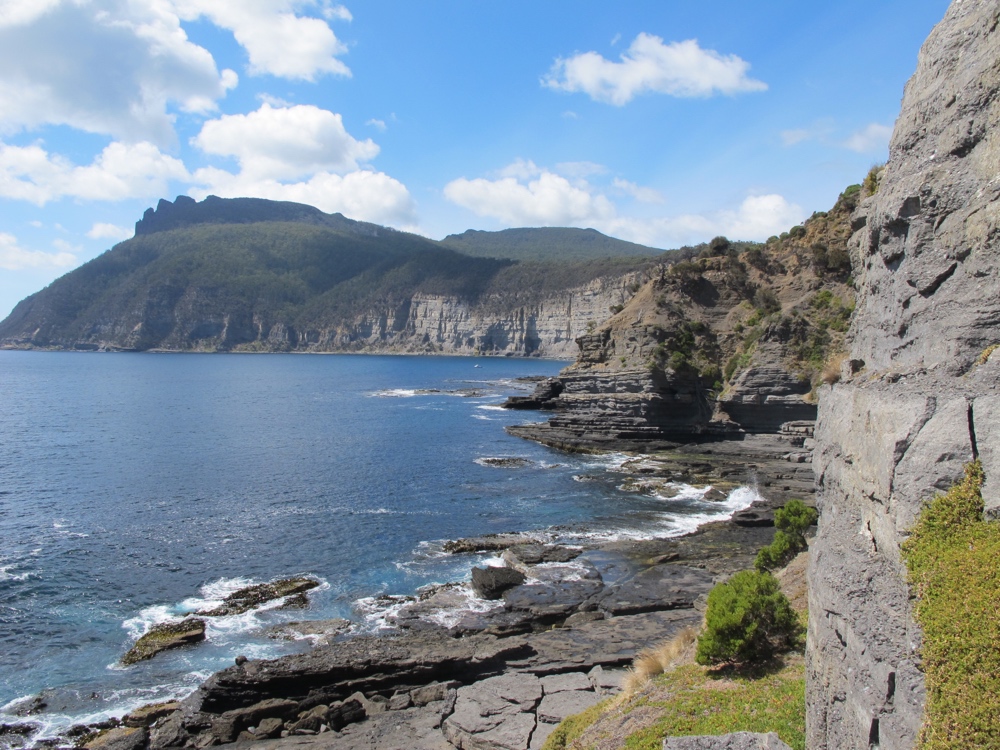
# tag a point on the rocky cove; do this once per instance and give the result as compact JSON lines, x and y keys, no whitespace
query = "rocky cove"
{"x":547,"y":639}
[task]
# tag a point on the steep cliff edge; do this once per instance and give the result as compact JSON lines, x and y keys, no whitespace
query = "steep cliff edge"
{"x":919,"y":396}
{"x":732,"y":341}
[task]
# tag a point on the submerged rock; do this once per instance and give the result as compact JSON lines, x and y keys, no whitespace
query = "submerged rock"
{"x":505,"y":462}
{"x":165,"y":636}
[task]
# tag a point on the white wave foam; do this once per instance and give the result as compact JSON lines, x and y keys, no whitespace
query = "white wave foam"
{"x":490,"y":407}
{"x":116,"y":703}
{"x":211,"y":596}
{"x":378,"y":612}
{"x":394,"y":393}
{"x":608,"y":461}
{"x":683,"y":491}
{"x":7,"y":573}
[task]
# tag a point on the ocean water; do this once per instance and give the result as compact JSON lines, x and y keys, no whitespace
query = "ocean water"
{"x":135,"y":488}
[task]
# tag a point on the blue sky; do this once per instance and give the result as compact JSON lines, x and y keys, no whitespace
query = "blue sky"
{"x":660,"y":122}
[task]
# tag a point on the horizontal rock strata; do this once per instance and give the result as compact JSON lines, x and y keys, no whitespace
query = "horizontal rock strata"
{"x":919,"y":395}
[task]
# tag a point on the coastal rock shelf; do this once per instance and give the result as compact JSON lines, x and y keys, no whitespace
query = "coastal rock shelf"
{"x":554,"y":645}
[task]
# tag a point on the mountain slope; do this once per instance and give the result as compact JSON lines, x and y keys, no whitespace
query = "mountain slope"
{"x":212,"y":276}
{"x":544,"y":244}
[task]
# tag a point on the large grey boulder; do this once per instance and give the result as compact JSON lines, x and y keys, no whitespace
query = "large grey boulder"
{"x":916,"y":403}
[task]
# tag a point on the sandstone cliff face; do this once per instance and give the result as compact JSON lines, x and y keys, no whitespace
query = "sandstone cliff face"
{"x":916,"y":403}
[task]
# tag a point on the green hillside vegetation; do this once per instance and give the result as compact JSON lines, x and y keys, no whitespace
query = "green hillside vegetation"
{"x":545,"y":244}
{"x":300,"y":274}
{"x":711,"y":309}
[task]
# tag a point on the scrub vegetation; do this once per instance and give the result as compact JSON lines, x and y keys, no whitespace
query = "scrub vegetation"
{"x":952,"y":556}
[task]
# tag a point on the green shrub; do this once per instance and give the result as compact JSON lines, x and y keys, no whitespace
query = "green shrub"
{"x":748,"y":620}
{"x":792,"y":520}
{"x":777,"y":553}
{"x":719,"y":245}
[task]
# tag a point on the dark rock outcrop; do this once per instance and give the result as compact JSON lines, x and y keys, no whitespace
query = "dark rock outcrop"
{"x":918,"y":399}
{"x":251,"y":597}
{"x":491,"y":582}
{"x":165,"y":636}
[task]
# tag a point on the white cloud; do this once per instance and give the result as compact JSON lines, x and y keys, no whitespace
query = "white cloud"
{"x":120,"y":171}
{"x":377,"y":124}
{"x":756,"y":218}
{"x":301,"y":154}
{"x":336,"y":12}
{"x":277,"y":40}
{"x":640,"y":193}
{"x":364,"y":195}
{"x":872,"y":138}
{"x":541,"y":197}
{"x":546,"y":200}
{"x":285,"y":143}
{"x":55,"y":59}
{"x":680,"y":69}
{"x":104,"y":231}
{"x":15,"y":258}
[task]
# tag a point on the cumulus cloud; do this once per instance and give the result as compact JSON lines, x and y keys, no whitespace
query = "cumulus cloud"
{"x":277,"y":40}
{"x":120,"y":171}
{"x":527,"y":195}
{"x":302,"y":154}
{"x":285,"y":143}
{"x":547,"y":199}
{"x":56,"y":56}
{"x":870,"y":139}
{"x":681,"y":69}
{"x":104,"y":231}
{"x":363,"y":194}
{"x":13,"y":257}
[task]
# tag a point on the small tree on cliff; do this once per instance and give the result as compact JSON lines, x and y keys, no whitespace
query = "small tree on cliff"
{"x":748,"y":620}
{"x":791,"y":521}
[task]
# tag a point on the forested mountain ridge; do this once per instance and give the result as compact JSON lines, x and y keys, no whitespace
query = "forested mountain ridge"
{"x":255,"y":275}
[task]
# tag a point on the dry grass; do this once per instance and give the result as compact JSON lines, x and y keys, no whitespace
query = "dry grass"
{"x":651,"y":662}
{"x":832,"y":368}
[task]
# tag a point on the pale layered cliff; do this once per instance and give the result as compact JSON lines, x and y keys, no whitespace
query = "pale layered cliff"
{"x":919,"y":398}
{"x":449,"y":325}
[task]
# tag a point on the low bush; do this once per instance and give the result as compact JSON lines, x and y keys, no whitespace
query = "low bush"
{"x":748,"y":620}
{"x":792,"y":520}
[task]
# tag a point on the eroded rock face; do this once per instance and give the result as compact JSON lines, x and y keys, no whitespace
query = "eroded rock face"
{"x":917,"y":402}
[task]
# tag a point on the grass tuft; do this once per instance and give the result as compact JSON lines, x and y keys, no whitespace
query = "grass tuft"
{"x":951,"y":555}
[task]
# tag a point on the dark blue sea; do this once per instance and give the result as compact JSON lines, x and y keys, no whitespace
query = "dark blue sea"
{"x":134,"y":488}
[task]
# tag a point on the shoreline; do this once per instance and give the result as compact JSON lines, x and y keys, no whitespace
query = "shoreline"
{"x":633,"y":607}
